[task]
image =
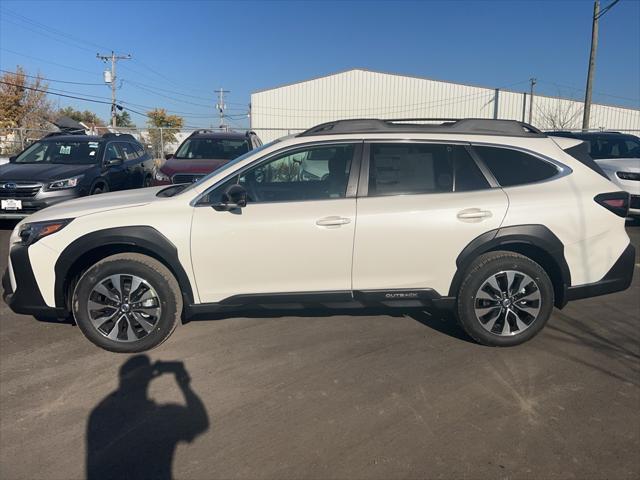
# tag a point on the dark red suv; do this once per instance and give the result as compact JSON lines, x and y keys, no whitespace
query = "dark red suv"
{"x":202,"y":153}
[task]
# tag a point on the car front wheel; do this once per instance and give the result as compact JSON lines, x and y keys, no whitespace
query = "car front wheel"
{"x":127,"y":303}
{"x":505,"y":299}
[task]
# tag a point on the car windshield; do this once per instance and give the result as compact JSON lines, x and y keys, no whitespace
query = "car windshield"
{"x":61,"y":152}
{"x":216,"y":148}
{"x":226,"y":166}
{"x":613,"y":147}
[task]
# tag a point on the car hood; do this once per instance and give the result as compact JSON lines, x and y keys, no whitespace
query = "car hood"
{"x":40,"y":172}
{"x":620,"y":164}
{"x":97,"y":203}
{"x":186,"y":165}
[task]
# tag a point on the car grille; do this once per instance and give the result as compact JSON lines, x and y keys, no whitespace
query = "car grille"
{"x":635,"y":201}
{"x":19,"y":189}
{"x":186,"y":177}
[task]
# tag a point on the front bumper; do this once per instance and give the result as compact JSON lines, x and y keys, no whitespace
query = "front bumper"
{"x":41,"y":200}
{"x":26,"y":298}
{"x":618,"y":278}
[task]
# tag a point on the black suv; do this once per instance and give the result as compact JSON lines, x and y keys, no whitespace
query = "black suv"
{"x":62,"y":166}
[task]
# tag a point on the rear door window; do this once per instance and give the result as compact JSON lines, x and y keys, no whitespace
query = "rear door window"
{"x":420,"y":168}
{"x":512,"y":167}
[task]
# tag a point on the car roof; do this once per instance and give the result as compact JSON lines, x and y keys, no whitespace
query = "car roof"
{"x":218,"y":135}
{"x":72,"y":138}
{"x":75,"y":137}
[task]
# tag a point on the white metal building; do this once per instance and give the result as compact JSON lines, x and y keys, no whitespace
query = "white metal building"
{"x":362,"y":93}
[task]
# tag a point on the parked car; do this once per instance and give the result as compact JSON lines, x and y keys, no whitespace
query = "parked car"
{"x":203,"y":152}
{"x":618,"y":155}
{"x":491,"y":219}
{"x":60,"y":167}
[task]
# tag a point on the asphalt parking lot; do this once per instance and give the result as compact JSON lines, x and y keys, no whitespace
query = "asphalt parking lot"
{"x":380,"y":394}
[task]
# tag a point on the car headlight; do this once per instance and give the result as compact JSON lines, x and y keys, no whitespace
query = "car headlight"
{"x":66,"y":183}
{"x":30,"y":233}
{"x":161,"y":177}
{"x":628,"y":175}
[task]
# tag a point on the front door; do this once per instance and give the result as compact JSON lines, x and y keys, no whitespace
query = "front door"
{"x":294,"y":236}
{"x":116,"y":175}
{"x":423,"y":204}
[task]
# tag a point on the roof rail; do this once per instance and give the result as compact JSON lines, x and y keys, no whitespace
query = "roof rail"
{"x":477,"y":126}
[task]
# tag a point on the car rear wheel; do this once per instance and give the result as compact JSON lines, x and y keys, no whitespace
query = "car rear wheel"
{"x":505,"y":299}
{"x":127,"y":303}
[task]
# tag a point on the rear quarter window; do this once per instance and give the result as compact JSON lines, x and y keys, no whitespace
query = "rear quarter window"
{"x":512,"y":167}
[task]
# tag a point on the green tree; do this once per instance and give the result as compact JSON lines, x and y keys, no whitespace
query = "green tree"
{"x":124,"y":120}
{"x":162,"y":129}
{"x":86,"y":117}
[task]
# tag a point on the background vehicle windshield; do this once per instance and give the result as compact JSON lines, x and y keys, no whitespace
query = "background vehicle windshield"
{"x":611,"y":147}
{"x":228,"y":165}
{"x":218,"y":148}
{"x":60,"y":152}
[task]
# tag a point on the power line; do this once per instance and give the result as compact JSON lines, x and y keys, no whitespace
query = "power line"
{"x":49,"y":79}
{"x":605,"y":9}
{"x":53,"y":93}
{"x":47,"y":61}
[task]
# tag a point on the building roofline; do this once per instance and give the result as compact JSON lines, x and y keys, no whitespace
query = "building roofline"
{"x":417,"y":77}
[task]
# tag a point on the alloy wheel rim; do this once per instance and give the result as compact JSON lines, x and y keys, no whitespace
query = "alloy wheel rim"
{"x":507,"y":303}
{"x":124,"y":307}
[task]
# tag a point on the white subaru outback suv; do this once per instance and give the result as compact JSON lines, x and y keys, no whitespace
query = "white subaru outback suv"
{"x":489,"y":218}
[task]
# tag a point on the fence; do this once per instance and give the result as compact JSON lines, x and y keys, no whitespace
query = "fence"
{"x":158,"y":141}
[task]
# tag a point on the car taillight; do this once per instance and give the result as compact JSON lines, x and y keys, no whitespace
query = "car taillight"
{"x":616,"y":202}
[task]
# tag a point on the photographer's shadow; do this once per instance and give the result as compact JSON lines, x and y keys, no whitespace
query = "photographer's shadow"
{"x":130,"y":436}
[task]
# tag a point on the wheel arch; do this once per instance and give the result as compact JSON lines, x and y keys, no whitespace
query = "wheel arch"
{"x":536,"y":242}
{"x":93,"y":247}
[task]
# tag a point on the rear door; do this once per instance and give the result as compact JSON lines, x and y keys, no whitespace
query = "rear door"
{"x":419,"y":204}
{"x":132,"y":166}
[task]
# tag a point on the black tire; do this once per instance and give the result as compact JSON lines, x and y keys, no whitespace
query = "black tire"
{"x":483,"y":271}
{"x":166,"y":293}
{"x":148,"y":181}
{"x":99,"y":188}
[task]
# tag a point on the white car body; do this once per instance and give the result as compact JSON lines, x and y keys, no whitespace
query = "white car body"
{"x":390,"y":244}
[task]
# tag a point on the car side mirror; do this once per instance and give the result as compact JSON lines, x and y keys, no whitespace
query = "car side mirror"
{"x":114,"y":162}
{"x":12,"y":159}
{"x":168,"y":156}
{"x":233,"y":198}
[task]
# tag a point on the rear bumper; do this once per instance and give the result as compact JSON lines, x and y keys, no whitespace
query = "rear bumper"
{"x":26,"y":299}
{"x":617,"y":279}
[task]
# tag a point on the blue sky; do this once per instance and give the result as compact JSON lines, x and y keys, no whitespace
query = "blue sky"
{"x":195,"y":47}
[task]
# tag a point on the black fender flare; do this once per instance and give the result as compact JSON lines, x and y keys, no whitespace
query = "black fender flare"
{"x":140,"y":237}
{"x":537,"y":236}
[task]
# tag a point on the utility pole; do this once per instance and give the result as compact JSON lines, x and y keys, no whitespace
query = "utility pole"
{"x":220,"y":106}
{"x":532,"y":82}
{"x":597,"y":13}
{"x":111,"y":78}
{"x":592,"y":66}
